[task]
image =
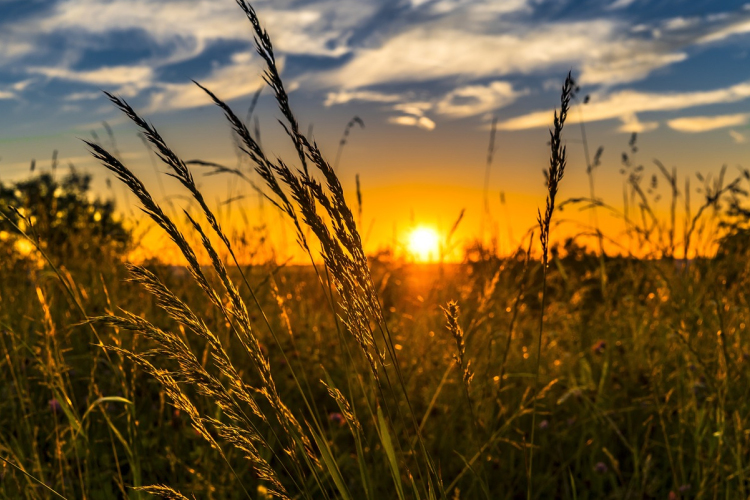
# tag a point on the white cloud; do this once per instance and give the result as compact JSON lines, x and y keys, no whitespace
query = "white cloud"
{"x":418,"y":108}
{"x":737,"y":137}
{"x":433,"y":51}
{"x":631,"y":123}
{"x":228,"y":82}
{"x":415,"y":114}
{"x":627,"y":102}
{"x":626,"y":62}
{"x":738,"y":28}
{"x":12,"y":46}
{"x":467,"y":100}
{"x":475,"y":99}
{"x":680,"y":23}
{"x":4,"y":94}
{"x":620,"y":4}
{"x":23,"y":84}
{"x":492,"y":7}
{"x":346,"y":96}
{"x":140,"y":76}
{"x":82,"y":96}
{"x":191,"y":25}
{"x":414,"y":121}
{"x":694,"y":124}
{"x":456,"y":42}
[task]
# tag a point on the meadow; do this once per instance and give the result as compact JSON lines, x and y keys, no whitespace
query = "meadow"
{"x":559,"y":371}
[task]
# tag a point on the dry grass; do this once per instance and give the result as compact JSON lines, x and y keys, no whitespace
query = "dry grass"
{"x":572,"y":376}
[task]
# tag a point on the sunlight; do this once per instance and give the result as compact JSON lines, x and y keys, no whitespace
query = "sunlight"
{"x":424,"y":244}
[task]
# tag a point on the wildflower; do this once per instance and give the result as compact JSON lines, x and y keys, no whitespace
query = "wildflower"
{"x":55,"y":405}
{"x":599,"y":347}
{"x":544,"y":424}
{"x":600,"y":468}
{"x":336,"y":418}
{"x":684,"y":488}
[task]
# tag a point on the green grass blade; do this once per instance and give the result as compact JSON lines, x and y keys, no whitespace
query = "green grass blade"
{"x":32,"y":478}
{"x":385,"y":439}
{"x":330,"y":463}
{"x":105,"y":399}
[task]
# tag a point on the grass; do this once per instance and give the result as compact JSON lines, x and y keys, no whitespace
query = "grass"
{"x":574,"y":375}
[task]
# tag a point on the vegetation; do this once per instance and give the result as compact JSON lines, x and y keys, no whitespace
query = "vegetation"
{"x":575,"y":375}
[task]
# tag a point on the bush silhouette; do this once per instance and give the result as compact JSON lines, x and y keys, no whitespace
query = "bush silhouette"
{"x":65,"y":218}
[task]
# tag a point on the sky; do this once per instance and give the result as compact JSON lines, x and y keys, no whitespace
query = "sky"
{"x":426,"y":77}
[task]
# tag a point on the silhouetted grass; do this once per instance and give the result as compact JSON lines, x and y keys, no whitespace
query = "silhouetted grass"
{"x":574,"y":375}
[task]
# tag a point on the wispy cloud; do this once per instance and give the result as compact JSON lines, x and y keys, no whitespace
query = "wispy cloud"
{"x":346,"y":96}
{"x":317,"y":29}
{"x":466,"y":100}
{"x":458,"y":55}
{"x":696,"y":124}
{"x":631,"y":123}
{"x":737,"y":137}
{"x":139,"y":75}
{"x":82,"y":96}
{"x":413,"y":121}
{"x":625,"y":103}
{"x":227,"y":82}
{"x":432,"y":52}
{"x":472,"y":100}
{"x":620,"y":4}
{"x":738,"y":27}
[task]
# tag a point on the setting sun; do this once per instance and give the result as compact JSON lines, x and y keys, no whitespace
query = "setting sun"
{"x":424,"y":244}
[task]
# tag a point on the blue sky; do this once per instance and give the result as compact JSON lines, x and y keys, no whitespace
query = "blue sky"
{"x":427,"y":76}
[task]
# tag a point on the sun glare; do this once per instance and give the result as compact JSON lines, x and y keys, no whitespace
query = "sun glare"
{"x":424,"y":244}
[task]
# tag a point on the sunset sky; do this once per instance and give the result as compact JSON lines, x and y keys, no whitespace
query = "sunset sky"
{"x":425,"y":76}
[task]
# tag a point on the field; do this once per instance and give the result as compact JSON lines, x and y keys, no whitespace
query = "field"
{"x":559,"y":371}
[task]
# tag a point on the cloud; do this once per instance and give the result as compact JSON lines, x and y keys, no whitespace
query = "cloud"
{"x":604,"y":50}
{"x":739,"y":27}
{"x":627,"y":62}
{"x":467,"y":100}
{"x":438,"y":7}
{"x":227,"y":82}
{"x":346,"y":96}
{"x":620,"y":4}
{"x":695,"y":124}
{"x":139,"y":75}
{"x":4,"y":94}
{"x":414,"y":121}
{"x":680,"y":23}
{"x":631,"y":123}
{"x":627,"y":102}
{"x":415,"y":114}
{"x":737,"y":137}
{"x":82,"y":96}
{"x":12,"y":47}
{"x":318,"y":29}
{"x":469,"y":46}
{"x":424,"y":53}
{"x":476,"y":99}
{"x":417,"y":108}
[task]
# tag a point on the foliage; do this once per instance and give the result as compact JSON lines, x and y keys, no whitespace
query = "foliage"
{"x":64,"y":218}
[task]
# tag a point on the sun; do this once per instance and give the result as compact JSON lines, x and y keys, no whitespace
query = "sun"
{"x":424,"y":244}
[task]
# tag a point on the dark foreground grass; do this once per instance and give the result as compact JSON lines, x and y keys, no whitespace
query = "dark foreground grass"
{"x":643,"y":394}
{"x":573,"y":376}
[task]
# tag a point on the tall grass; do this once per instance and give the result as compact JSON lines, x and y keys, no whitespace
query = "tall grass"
{"x":355,"y":377}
